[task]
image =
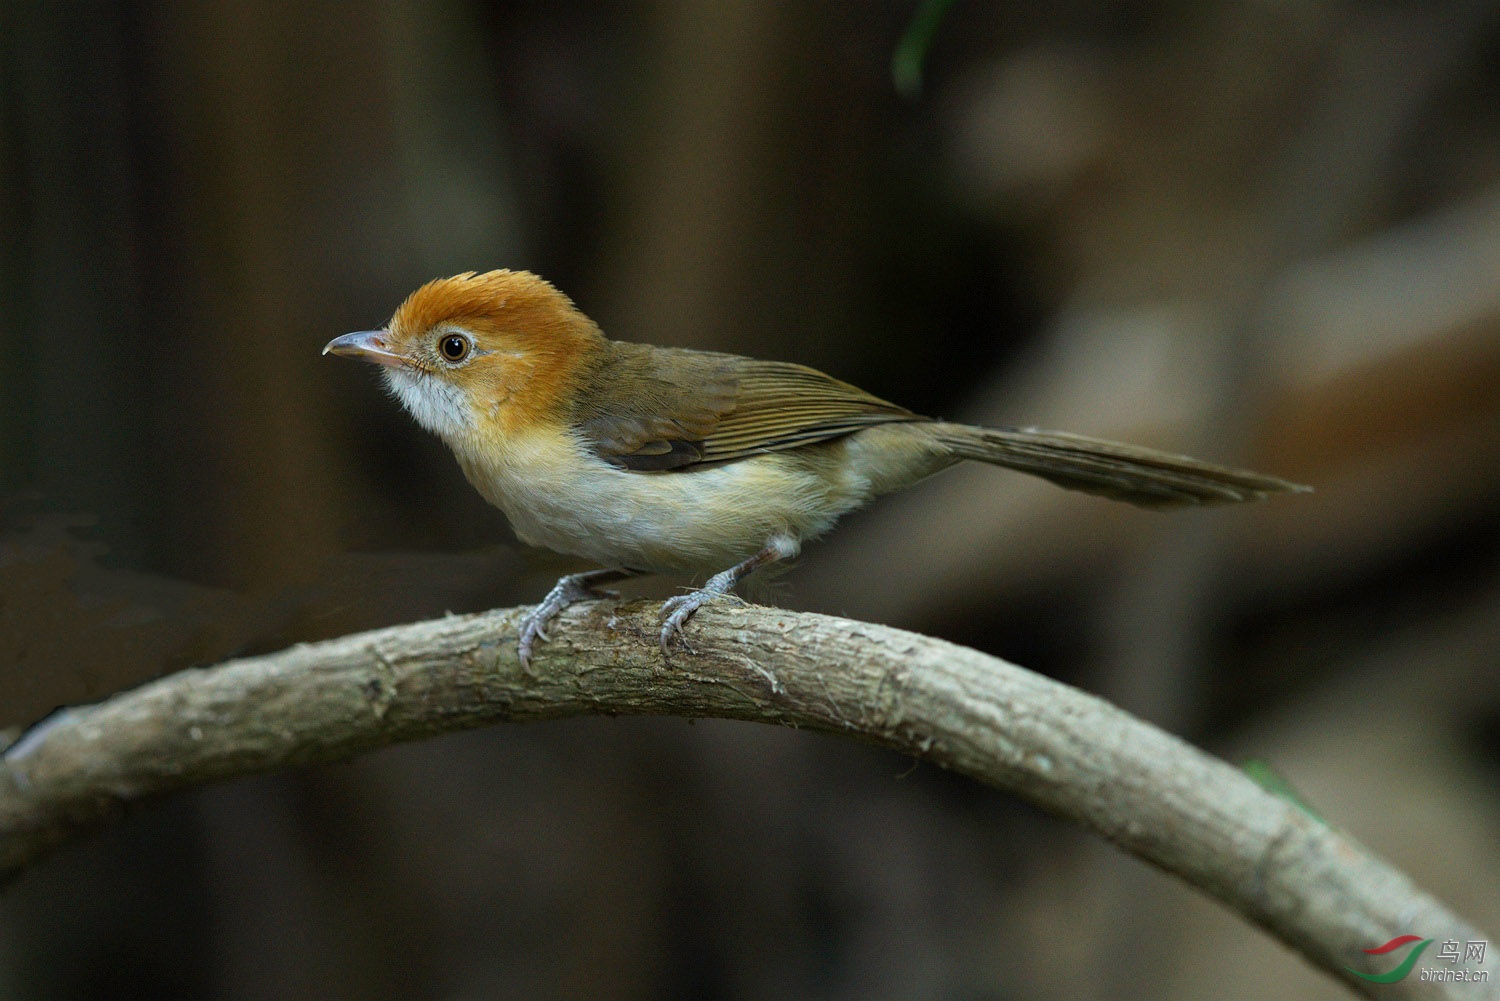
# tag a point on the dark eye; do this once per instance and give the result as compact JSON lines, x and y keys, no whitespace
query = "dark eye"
{"x":454,"y":348}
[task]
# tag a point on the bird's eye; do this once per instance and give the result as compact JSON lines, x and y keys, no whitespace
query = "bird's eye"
{"x":454,"y":348}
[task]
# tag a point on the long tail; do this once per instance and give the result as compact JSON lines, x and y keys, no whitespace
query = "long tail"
{"x":1141,"y":476}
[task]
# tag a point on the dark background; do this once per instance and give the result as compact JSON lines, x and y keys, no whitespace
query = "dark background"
{"x":1266,"y":233}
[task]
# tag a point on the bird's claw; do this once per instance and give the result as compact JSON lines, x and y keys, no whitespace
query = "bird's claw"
{"x":533,"y":628}
{"x":678,"y":611}
{"x":568,"y":591}
{"x":681,"y":607}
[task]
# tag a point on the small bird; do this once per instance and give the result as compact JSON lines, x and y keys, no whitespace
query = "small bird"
{"x":653,"y":460}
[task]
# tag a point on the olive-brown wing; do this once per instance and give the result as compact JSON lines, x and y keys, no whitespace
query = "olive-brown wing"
{"x":649,"y":408}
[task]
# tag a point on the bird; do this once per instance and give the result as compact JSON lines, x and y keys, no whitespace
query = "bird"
{"x":646,"y":459}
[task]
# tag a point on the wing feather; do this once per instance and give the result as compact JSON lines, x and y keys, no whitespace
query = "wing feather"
{"x":652,"y":409}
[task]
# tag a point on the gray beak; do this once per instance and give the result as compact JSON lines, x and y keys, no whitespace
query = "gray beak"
{"x":371,"y":345}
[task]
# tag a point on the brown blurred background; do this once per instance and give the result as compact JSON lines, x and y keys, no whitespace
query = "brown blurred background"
{"x":1263,"y":233}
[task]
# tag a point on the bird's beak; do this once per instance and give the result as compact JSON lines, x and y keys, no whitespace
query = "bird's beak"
{"x":371,"y":345}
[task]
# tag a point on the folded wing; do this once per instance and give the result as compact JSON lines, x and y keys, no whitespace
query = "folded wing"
{"x":650,"y":408}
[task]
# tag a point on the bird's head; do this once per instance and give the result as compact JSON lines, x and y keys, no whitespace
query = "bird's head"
{"x":479,"y":353}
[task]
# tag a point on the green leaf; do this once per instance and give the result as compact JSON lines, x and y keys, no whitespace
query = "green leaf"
{"x":911,"y":51}
{"x":1273,"y":782}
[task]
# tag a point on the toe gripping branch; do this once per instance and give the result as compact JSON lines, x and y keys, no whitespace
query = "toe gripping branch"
{"x":682,"y":607}
{"x":569,"y":590}
{"x":573,"y":588}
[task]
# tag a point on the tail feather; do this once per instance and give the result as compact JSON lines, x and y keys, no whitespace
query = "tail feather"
{"x":1130,"y":473}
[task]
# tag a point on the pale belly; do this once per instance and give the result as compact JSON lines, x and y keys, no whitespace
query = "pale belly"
{"x":704,"y":520}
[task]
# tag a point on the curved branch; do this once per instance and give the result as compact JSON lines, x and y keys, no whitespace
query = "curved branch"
{"x":1068,"y":752}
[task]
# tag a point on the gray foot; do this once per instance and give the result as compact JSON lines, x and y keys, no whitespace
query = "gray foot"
{"x":679,"y":608}
{"x":567,"y":591}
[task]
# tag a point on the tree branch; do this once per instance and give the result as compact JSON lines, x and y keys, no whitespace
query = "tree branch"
{"x":1066,"y":751}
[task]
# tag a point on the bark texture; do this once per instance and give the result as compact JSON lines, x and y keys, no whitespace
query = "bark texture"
{"x":1071,"y":753}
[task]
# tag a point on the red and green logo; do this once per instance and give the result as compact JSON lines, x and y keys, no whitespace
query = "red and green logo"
{"x":1400,"y":972}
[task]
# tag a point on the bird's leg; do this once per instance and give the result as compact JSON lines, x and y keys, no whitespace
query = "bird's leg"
{"x":569,"y":590}
{"x":680,"y":608}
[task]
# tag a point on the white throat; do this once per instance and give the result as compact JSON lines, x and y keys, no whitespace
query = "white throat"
{"x":438,"y":406}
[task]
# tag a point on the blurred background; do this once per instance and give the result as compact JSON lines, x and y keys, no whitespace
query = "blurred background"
{"x":1264,"y":232}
